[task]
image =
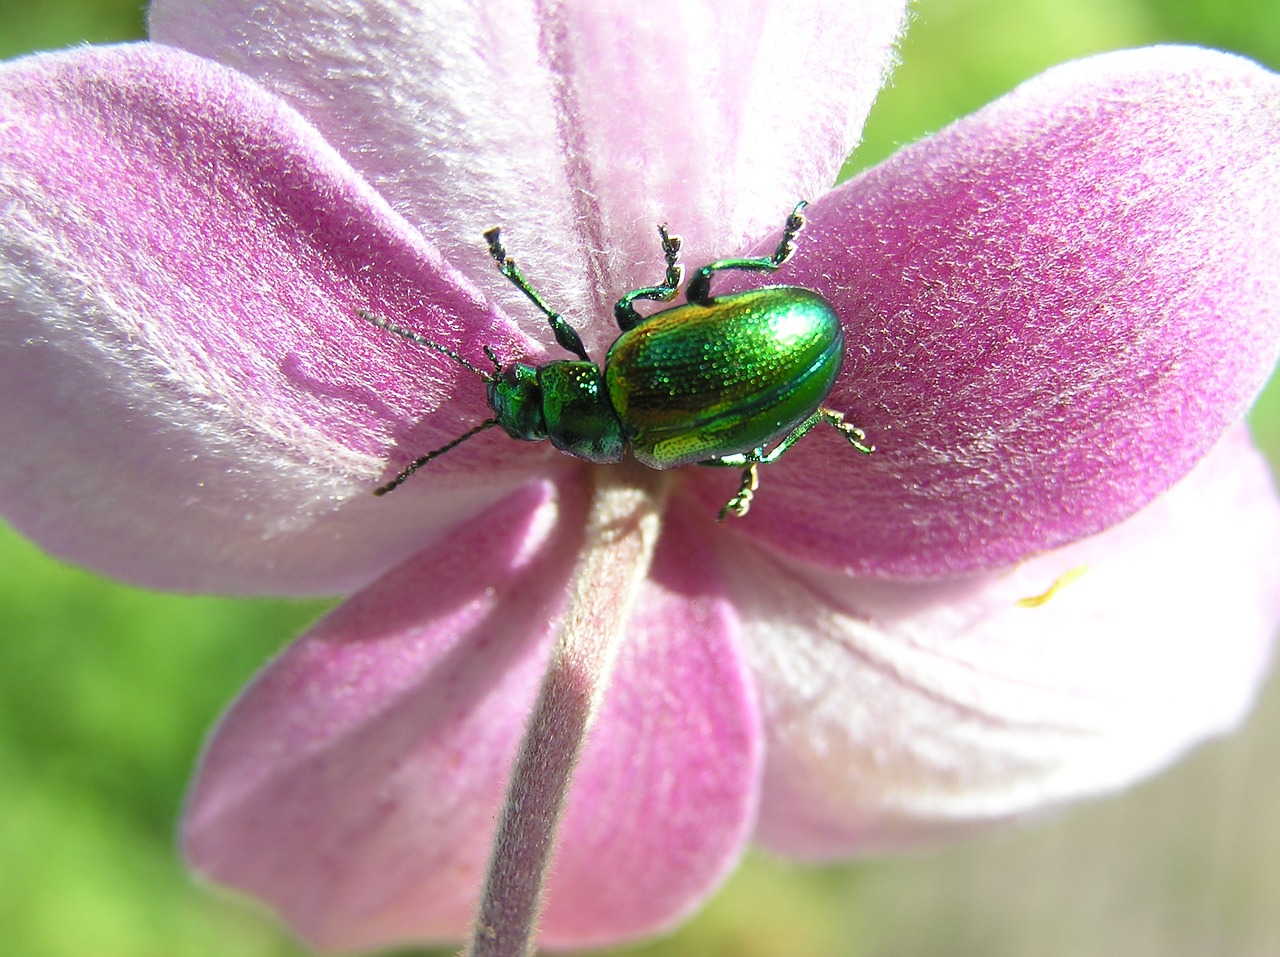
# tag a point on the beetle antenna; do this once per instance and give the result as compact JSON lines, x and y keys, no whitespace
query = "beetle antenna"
{"x":497,"y":366}
{"x":434,"y":454}
{"x":412,"y":336}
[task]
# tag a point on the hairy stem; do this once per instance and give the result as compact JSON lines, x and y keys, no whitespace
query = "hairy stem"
{"x":622,"y":530}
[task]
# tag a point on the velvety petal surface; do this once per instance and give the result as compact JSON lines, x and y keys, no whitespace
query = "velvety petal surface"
{"x":187,"y":397}
{"x":1053,"y":309}
{"x":902,"y":713}
{"x":355,"y":785}
{"x":577,"y":126}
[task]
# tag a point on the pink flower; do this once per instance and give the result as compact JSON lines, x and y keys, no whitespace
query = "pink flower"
{"x":1053,"y":577}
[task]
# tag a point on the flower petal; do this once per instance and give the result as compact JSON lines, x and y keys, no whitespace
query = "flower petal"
{"x":356,"y":782}
{"x":902,"y":713}
{"x":1053,"y":309}
{"x":578,"y":126}
{"x":187,"y":396}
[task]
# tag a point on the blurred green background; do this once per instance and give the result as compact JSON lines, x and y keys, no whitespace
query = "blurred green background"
{"x":106,"y":691}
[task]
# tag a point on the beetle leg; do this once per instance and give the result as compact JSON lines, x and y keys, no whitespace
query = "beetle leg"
{"x":740,"y":504}
{"x":565,"y":334}
{"x":624,"y":312}
{"x":751,"y":461}
{"x":699,"y":289}
{"x":857,"y":438}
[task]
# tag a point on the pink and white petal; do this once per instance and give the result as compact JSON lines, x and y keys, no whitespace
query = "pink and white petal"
{"x":188,"y":398}
{"x":666,"y":796}
{"x":576,"y":126}
{"x":1053,"y":309}
{"x":355,"y":784}
{"x":899,"y":714}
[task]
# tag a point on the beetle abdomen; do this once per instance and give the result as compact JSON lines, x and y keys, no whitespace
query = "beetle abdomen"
{"x":701,"y":381}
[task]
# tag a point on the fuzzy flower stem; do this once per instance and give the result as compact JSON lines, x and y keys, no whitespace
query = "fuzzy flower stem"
{"x":621,"y":533}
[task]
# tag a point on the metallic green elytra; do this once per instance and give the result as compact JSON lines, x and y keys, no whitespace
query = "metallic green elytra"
{"x":699,"y":382}
{"x":710,"y":382}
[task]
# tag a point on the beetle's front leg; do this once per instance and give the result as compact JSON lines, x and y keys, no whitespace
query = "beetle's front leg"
{"x":565,"y":334}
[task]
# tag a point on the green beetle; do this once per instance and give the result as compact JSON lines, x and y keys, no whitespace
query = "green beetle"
{"x":710,"y":382}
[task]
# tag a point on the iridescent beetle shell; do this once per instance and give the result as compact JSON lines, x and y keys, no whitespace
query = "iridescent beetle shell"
{"x":699,"y":382}
{"x":710,"y":382}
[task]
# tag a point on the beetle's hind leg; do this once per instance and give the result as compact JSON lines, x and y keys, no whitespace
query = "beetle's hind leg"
{"x":740,"y":503}
{"x":699,"y":289}
{"x":624,"y":312}
{"x":857,"y":438}
{"x":565,"y":334}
